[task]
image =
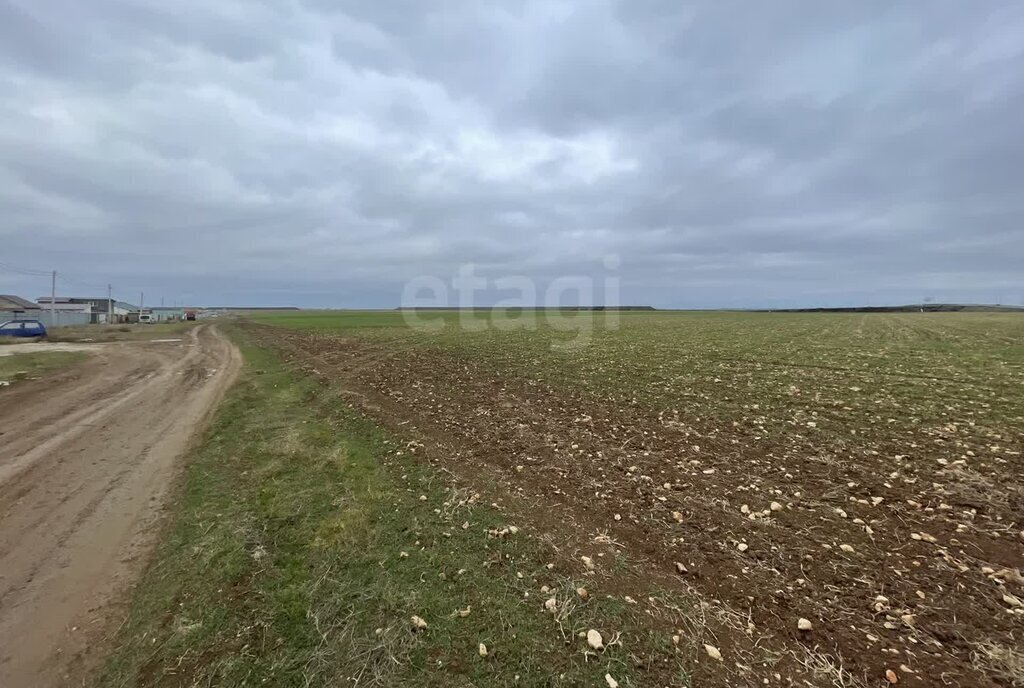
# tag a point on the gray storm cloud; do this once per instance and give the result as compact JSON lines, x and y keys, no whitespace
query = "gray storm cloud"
{"x":324,"y":153}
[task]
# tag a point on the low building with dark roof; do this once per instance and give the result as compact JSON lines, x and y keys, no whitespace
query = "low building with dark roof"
{"x":15,"y":304}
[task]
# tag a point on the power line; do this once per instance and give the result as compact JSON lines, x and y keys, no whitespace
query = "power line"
{"x":25,"y":271}
{"x":79,"y":283}
{"x":58,"y":275}
{"x":32,"y":272}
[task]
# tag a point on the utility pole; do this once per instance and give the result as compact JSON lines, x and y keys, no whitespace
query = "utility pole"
{"x":53,"y":298}
{"x":142,"y":297}
{"x":110,"y":307}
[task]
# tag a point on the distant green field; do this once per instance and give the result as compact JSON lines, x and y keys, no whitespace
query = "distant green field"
{"x":671,"y":359}
{"x":340,"y":320}
{"x":934,"y":366}
{"x":330,"y":320}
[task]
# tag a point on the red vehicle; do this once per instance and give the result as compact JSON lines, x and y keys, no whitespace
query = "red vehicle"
{"x":190,"y":314}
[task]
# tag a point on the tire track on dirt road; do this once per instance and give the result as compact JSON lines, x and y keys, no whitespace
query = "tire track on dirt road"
{"x":87,"y":458}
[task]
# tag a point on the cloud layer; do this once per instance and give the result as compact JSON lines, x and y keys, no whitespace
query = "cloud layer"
{"x":323,"y":153}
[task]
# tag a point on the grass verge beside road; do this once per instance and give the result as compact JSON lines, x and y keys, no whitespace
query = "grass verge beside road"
{"x":23,"y":366}
{"x":304,"y":542}
{"x":119,"y":333}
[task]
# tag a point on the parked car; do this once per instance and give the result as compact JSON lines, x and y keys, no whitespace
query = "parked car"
{"x":22,"y":328}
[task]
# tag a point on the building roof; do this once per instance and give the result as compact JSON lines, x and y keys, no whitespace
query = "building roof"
{"x":69,"y":307}
{"x":100,"y":302}
{"x":9,"y":302}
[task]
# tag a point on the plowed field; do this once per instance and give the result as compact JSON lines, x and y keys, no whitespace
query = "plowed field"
{"x":823,"y":499}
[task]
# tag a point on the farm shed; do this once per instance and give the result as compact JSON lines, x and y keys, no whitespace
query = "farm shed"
{"x":65,"y":314}
{"x":16,"y":304}
{"x":167,"y":313}
{"x":100,"y":307}
{"x":17,"y":308}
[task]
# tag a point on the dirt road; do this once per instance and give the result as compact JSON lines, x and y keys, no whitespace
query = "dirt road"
{"x":87,"y":457}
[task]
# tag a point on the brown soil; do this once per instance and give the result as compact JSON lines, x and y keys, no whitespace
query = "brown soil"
{"x":87,"y":457}
{"x":920,"y":594}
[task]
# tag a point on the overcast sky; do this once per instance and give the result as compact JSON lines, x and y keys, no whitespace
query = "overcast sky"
{"x":325,"y":152}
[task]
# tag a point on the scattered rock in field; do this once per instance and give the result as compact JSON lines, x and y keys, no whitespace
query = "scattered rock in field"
{"x":1012,"y":600}
{"x":744,"y":509}
{"x":1008,"y":576}
{"x":846,"y":548}
{"x":588,"y":562}
{"x":713,"y":652}
{"x":418,"y":623}
{"x":618,"y":517}
{"x":678,"y":516}
{"x":775,"y":506}
{"x":681,"y":568}
{"x":743,"y":547}
{"x":551,"y":604}
{"x":891,"y":676}
{"x":594,"y":640}
{"x":583,"y":594}
{"x":804,"y":624}
{"x":463,"y":613}
{"x":482,"y":650}
{"x":612,"y":683}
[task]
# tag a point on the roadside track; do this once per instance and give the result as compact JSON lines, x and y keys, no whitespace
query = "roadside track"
{"x":87,"y":459}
